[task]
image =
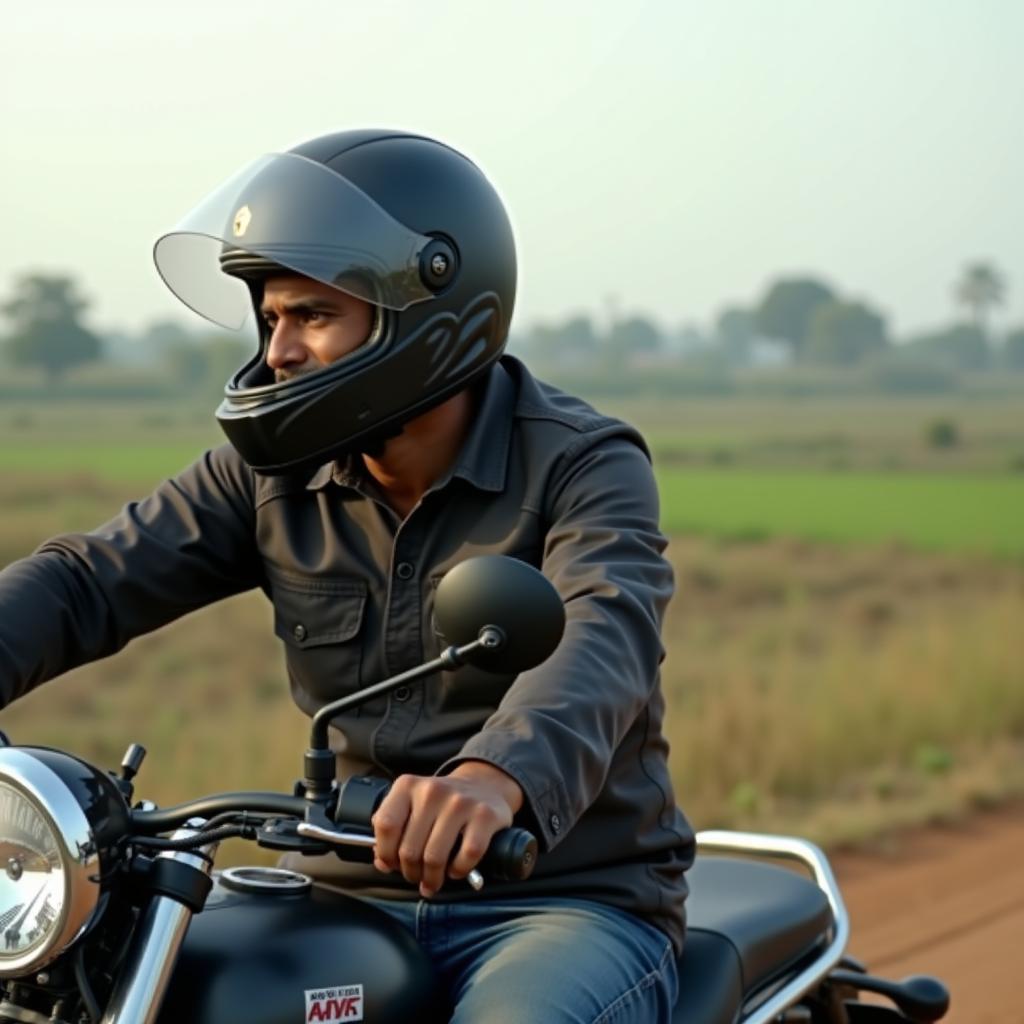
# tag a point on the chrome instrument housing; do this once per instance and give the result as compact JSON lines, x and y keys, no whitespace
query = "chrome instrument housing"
{"x":51,"y":796}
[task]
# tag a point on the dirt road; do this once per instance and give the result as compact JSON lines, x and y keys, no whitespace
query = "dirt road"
{"x":949,"y":902}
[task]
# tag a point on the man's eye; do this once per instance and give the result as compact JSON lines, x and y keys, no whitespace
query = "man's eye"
{"x":311,"y":316}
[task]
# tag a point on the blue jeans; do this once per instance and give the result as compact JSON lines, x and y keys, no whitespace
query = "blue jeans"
{"x":544,"y":961}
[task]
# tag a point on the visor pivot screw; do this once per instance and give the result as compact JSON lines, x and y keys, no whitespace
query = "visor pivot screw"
{"x":15,"y":869}
{"x":437,"y":265}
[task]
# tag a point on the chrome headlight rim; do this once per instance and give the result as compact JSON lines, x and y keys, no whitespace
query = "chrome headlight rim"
{"x":51,"y":798}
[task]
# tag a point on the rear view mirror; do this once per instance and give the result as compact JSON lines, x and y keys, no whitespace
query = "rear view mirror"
{"x":507,"y":595}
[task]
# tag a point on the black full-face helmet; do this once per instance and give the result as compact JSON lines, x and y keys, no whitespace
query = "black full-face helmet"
{"x":401,"y":221}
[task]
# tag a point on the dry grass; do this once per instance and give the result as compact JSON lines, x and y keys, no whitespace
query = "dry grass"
{"x":838,"y":691}
{"x":207,"y":697}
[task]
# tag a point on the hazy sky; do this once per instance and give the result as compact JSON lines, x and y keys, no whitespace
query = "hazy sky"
{"x":676,"y":156}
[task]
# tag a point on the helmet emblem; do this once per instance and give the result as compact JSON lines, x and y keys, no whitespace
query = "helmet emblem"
{"x":438,"y":265}
{"x":242,"y":219}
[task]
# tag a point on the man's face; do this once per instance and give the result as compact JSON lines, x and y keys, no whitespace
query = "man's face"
{"x":311,"y":324}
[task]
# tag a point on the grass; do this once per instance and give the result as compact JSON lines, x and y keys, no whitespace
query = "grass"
{"x":146,"y":462}
{"x":207,"y":697}
{"x":79,"y":484}
{"x":130,"y":442}
{"x":841,"y":691}
{"x":980,"y":513}
{"x":849,"y":471}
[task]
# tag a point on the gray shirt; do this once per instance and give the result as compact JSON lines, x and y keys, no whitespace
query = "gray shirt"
{"x":541,"y":477}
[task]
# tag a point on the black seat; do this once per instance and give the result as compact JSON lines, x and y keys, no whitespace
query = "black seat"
{"x":746,"y":924}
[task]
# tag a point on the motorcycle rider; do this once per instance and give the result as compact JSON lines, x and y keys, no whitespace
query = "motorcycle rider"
{"x":378,"y":436}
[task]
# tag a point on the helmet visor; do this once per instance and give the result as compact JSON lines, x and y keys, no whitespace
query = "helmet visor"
{"x":287,"y":214}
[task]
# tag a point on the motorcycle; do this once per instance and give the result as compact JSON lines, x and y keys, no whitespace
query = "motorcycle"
{"x":110,"y":910}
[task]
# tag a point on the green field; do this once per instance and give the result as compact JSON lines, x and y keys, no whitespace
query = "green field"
{"x":949,"y":513}
{"x":730,"y":469}
{"x":143,"y":463}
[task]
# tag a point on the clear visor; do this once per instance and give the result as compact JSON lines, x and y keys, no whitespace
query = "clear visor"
{"x":289,"y":212}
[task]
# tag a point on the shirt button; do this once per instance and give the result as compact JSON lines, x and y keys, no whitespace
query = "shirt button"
{"x":402,"y":694}
{"x":405,"y":571}
{"x":556,"y":823}
{"x":299,"y":632}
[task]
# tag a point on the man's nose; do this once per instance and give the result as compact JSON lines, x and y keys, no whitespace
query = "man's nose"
{"x":285,"y":347}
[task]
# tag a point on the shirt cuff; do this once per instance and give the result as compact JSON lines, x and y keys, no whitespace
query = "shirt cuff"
{"x":548,"y":808}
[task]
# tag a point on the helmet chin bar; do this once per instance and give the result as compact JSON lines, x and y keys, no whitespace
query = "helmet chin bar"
{"x":366,"y":397}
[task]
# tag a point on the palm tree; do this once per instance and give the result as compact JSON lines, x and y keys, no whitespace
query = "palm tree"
{"x":981,"y":288}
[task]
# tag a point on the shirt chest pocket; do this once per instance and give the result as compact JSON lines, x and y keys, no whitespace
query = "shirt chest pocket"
{"x":320,"y":621}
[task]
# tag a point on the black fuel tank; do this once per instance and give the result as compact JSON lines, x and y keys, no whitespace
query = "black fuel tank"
{"x":271,"y":949}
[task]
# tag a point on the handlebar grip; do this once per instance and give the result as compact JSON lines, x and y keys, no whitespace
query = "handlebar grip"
{"x":511,"y":857}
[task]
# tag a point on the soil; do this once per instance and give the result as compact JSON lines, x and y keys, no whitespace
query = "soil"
{"x":948,"y":901}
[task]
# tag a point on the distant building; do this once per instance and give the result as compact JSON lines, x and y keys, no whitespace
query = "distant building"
{"x":766,"y":353}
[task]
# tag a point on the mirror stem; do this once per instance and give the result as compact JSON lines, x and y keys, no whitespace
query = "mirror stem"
{"x":319,"y":762}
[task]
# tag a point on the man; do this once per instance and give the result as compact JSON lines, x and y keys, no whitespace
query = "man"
{"x":378,"y":438}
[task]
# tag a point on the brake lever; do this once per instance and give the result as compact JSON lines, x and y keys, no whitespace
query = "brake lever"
{"x":343,"y":838}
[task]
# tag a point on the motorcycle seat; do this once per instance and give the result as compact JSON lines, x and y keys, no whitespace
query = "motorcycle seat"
{"x":747,"y":924}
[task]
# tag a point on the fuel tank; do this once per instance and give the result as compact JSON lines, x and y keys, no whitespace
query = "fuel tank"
{"x":271,"y":948}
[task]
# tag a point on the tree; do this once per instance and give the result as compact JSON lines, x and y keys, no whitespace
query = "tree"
{"x":844,"y":334}
{"x":576,"y":336}
{"x":1013,"y":350}
{"x":225,"y":353}
{"x":690,"y":339}
{"x":735,"y":331}
{"x":205,"y":363}
{"x":980,"y":289}
{"x":185,"y":364}
{"x":942,"y":433}
{"x":633,"y":336}
{"x":162,"y":335}
{"x":897,"y":372}
{"x":45,"y":315}
{"x":960,"y":347}
{"x":571,"y":341}
{"x":786,"y":310}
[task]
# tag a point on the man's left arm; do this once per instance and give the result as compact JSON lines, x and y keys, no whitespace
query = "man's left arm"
{"x":555,"y":732}
{"x":559,"y":725}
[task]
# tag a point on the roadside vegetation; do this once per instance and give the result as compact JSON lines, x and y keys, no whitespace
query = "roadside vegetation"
{"x":842,"y":691}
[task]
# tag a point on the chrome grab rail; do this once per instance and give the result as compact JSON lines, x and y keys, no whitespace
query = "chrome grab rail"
{"x":810,"y":856}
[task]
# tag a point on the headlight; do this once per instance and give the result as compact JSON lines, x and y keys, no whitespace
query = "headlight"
{"x":50,"y":852}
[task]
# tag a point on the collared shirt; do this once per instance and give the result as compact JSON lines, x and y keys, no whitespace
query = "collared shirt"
{"x":541,"y":477}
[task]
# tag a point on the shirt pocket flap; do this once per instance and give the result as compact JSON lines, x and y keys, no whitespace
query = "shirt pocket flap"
{"x":311,"y":612}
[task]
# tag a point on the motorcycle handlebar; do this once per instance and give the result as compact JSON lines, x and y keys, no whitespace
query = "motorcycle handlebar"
{"x":511,"y":856}
{"x":165,"y":819}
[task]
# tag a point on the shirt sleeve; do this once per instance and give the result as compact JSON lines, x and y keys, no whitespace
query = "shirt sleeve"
{"x":81,"y":597}
{"x":559,"y":725}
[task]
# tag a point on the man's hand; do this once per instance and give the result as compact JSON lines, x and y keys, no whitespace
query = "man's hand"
{"x":422,"y":818}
